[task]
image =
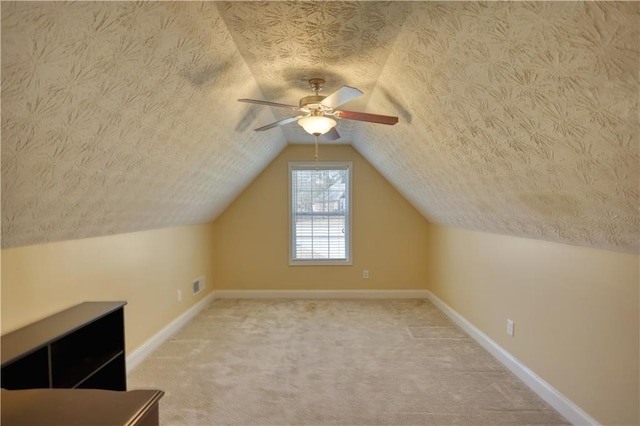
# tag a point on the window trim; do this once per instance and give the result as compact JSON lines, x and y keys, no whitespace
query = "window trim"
{"x":329,"y":165}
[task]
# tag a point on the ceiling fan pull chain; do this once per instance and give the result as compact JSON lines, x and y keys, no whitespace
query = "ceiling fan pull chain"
{"x":316,"y":156}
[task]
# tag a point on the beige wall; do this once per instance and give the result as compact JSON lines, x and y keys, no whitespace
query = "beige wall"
{"x":576,"y":311}
{"x":252,"y":235}
{"x":144,"y":268}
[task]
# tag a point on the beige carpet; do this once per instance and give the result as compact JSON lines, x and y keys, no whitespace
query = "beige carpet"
{"x":332,"y":362}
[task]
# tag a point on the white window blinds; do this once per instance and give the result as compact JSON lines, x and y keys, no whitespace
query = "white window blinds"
{"x":320,"y":212}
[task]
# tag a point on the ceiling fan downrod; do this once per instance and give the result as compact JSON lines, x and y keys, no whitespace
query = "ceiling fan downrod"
{"x":314,"y":101}
{"x":317,"y":84}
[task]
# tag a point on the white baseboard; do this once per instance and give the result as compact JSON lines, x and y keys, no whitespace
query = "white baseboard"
{"x":143,"y":351}
{"x":562,"y":404}
{"x":321,"y":294}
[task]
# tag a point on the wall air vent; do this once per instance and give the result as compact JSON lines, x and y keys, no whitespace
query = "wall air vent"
{"x":198,"y":285}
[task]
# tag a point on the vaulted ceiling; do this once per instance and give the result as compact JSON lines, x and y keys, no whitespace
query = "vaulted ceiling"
{"x":515,"y":118}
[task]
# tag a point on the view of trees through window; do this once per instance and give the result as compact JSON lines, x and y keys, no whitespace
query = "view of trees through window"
{"x":320,"y":212}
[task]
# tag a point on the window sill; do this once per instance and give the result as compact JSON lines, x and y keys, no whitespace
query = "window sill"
{"x":320,"y":263}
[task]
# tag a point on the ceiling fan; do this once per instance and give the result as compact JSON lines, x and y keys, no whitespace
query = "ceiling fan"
{"x":317,"y":111}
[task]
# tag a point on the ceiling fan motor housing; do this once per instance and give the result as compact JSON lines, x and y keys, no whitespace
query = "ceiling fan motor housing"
{"x":312,"y":102}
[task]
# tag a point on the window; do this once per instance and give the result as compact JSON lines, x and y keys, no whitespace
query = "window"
{"x":320,"y":197}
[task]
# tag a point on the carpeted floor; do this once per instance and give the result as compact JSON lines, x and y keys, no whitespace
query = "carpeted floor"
{"x":332,"y":362}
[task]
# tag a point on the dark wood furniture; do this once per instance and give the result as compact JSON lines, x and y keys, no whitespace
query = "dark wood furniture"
{"x":80,"y":407}
{"x":81,"y":347}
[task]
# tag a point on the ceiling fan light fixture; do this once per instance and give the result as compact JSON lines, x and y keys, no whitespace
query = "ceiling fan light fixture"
{"x":317,"y":125}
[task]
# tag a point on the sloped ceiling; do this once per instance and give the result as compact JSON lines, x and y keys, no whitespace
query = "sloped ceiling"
{"x":120,"y":117}
{"x":515,"y":118}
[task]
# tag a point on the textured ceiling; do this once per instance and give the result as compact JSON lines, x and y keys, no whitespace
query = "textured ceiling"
{"x":120,"y":117}
{"x":285,"y":44}
{"x":516,"y":118}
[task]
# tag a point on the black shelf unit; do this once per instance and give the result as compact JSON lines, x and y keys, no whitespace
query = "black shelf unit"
{"x":81,"y":347}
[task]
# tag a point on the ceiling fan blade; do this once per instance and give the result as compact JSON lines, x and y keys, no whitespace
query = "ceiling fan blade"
{"x":341,"y":96}
{"x":331,"y":135}
{"x":363,"y":116}
{"x":279,"y":123}
{"x":273,"y":104}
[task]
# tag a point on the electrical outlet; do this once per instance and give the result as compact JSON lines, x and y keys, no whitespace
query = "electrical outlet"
{"x":179,"y":295}
{"x":365,"y":274}
{"x":510,"y":327}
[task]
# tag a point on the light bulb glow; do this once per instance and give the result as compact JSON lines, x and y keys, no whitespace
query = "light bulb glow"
{"x":317,"y":125}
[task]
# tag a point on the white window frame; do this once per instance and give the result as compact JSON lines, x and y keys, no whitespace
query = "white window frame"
{"x":344,"y":165}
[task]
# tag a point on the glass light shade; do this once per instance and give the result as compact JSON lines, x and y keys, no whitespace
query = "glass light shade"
{"x":317,"y":125}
